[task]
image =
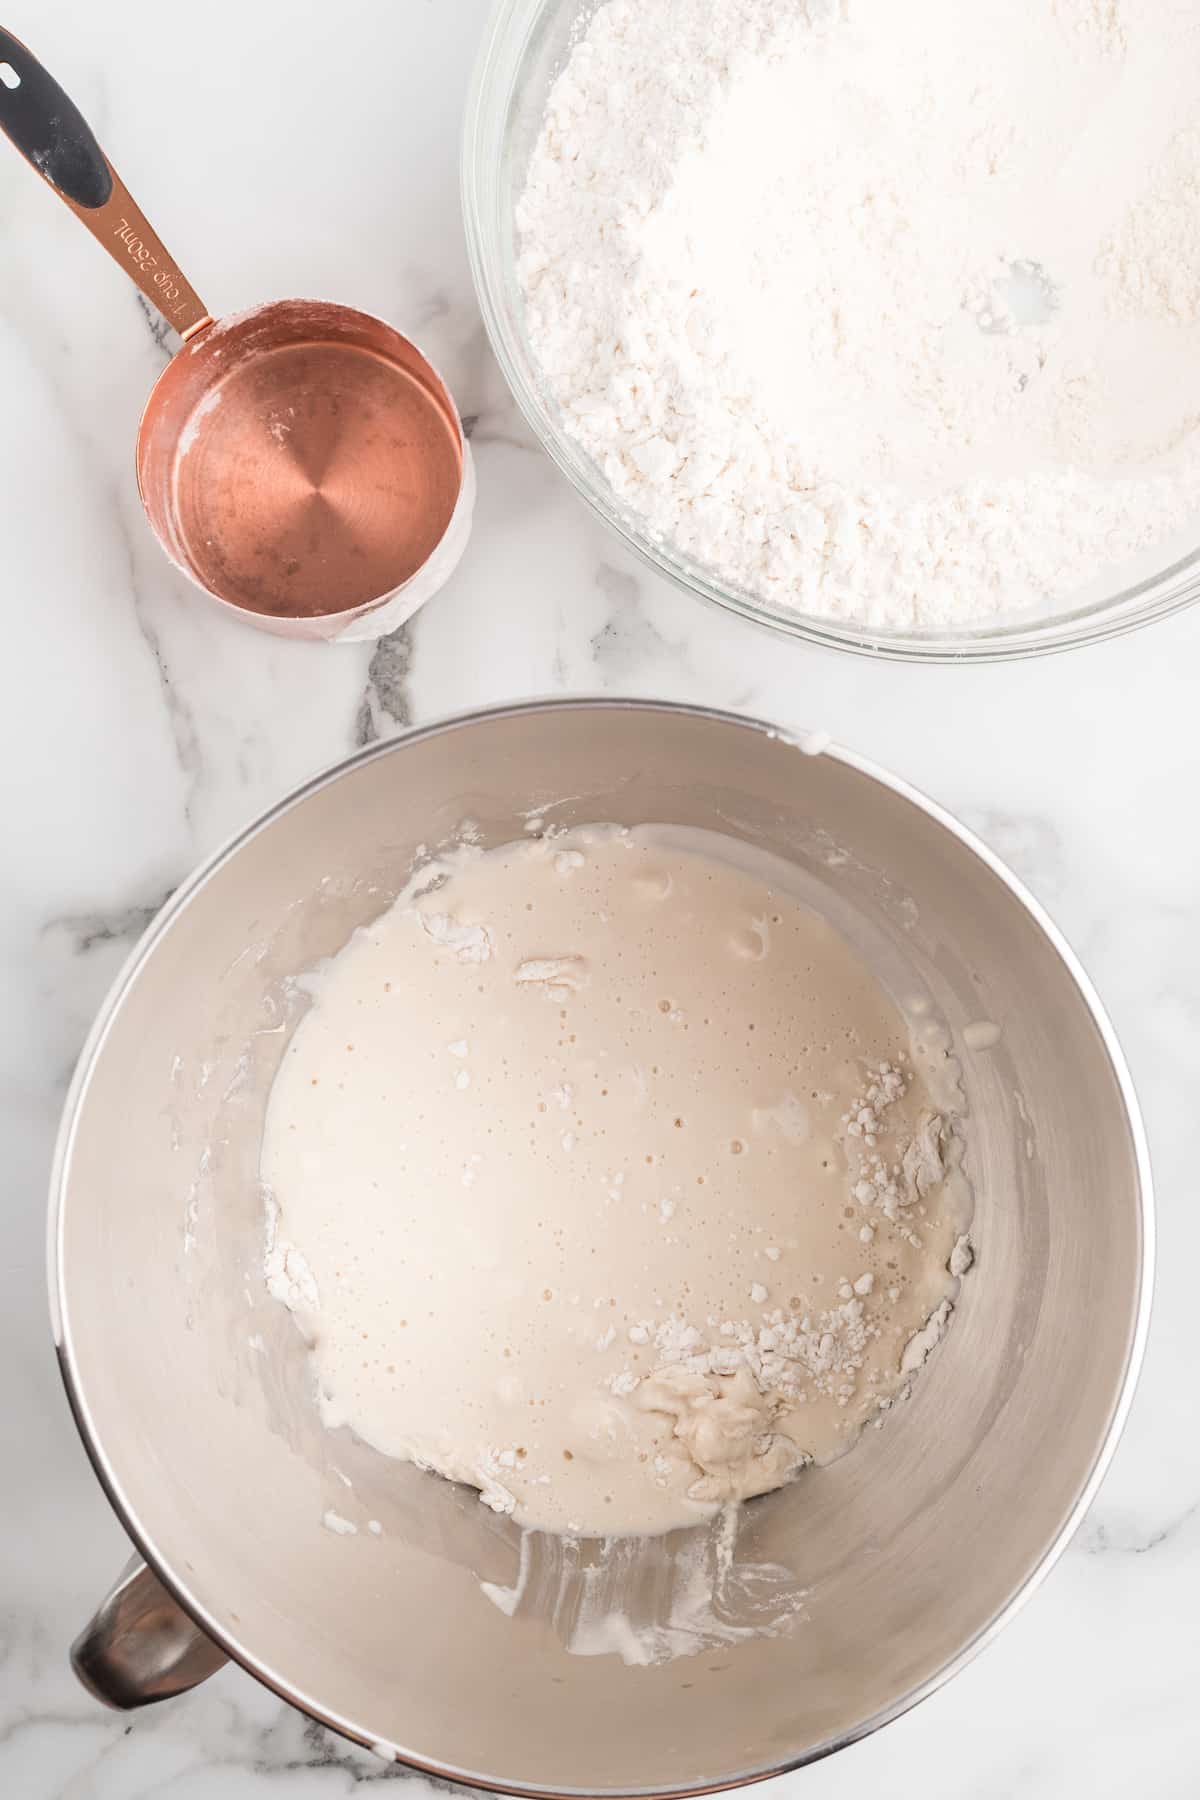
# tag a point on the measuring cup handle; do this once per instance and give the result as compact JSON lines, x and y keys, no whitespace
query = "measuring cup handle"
{"x":55,"y":139}
{"x":141,"y":1646}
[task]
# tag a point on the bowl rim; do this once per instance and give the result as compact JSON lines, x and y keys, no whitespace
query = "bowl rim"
{"x":1158,"y":596}
{"x":804,"y":744}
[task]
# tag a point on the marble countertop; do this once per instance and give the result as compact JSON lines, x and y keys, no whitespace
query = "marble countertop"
{"x":140,"y":727}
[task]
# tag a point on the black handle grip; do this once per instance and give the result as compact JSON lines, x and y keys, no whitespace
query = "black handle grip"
{"x":48,"y":129}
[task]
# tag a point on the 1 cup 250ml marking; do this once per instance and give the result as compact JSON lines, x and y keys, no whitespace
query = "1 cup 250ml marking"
{"x":171,"y":296}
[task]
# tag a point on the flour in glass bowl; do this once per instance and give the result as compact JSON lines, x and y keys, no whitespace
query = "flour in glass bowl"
{"x":887,"y":314}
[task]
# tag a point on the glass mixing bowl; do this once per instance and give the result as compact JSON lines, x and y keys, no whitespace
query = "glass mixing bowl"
{"x":524,"y":47}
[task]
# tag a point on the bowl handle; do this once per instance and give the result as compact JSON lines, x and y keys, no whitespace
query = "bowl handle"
{"x":141,"y":1646}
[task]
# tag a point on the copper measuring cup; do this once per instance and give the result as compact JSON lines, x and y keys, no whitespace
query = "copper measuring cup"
{"x":302,"y":462}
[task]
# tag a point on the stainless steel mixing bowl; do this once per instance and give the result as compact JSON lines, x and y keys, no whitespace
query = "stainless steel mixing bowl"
{"x":190,"y":1385}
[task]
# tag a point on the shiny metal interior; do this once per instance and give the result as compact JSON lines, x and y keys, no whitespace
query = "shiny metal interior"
{"x":191,"y":1387}
{"x":300,"y":460}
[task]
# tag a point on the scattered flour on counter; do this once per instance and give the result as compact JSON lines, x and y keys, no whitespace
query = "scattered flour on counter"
{"x":886,"y":314}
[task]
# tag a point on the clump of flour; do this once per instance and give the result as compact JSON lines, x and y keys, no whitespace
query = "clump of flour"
{"x":727,"y":1384}
{"x":881,"y":313}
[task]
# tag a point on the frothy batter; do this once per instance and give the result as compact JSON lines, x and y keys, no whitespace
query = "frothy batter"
{"x":603,"y":1178}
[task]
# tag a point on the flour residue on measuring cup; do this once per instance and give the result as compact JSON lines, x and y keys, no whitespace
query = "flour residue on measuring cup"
{"x":196,"y":418}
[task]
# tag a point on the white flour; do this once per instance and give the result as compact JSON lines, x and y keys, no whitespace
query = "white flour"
{"x":882,"y":313}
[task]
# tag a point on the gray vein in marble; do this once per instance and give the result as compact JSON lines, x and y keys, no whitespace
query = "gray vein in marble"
{"x":629,"y":638}
{"x":483,"y":399}
{"x":1031,"y":846}
{"x":321,"y":1753}
{"x":160,"y":331}
{"x":87,"y":930}
{"x":179,"y":714}
{"x":324,"y":1751}
{"x":484,"y":431}
{"x":277,"y":1743}
{"x":431,"y":311}
{"x":386,"y":706}
{"x":1099,"y":1537}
